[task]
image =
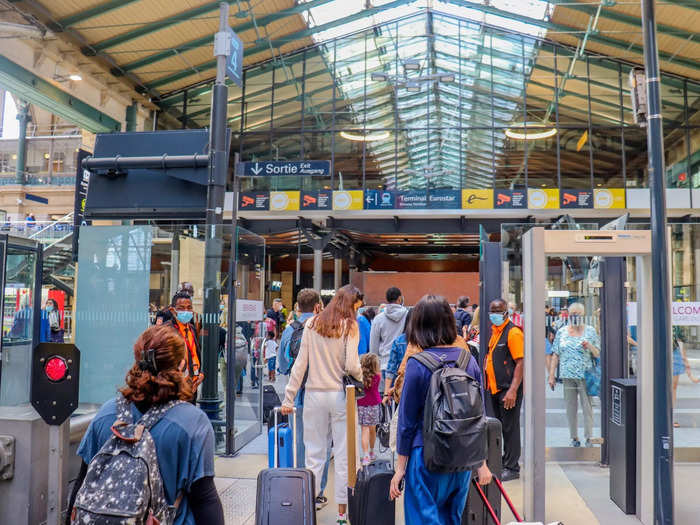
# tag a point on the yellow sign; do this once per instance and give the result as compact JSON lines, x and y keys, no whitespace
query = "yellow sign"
{"x":543,"y":198}
{"x":477,"y":199}
{"x":284,"y":201}
{"x":348,"y":200}
{"x":582,"y":141}
{"x":609,"y":198}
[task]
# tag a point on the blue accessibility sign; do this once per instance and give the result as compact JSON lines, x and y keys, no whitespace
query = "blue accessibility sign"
{"x":234,"y":64}
{"x":308,"y":168}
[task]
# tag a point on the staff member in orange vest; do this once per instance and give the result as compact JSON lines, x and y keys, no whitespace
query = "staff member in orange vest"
{"x":182,"y":321}
{"x":504,"y":378}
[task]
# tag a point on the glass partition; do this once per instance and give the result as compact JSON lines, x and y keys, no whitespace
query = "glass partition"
{"x":125,"y":279}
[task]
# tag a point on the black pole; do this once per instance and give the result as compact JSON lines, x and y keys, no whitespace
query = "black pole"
{"x":661,"y":340}
{"x":213,"y":247}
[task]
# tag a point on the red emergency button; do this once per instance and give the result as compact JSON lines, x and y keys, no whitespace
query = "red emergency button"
{"x":56,"y":368}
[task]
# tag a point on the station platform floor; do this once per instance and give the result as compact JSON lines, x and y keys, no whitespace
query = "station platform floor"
{"x":578,"y":492}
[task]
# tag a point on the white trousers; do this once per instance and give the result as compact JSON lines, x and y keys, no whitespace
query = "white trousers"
{"x":322,"y":409}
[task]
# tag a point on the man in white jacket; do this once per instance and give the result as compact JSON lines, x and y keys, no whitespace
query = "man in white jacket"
{"x":386,"y":327}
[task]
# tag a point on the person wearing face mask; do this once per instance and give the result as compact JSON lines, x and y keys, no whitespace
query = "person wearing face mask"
{"x":575,"y":347}
{"x":503,"y":369}
{"x":181,"y":319}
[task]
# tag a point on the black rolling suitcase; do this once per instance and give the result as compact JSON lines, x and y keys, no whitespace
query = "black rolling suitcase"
{"x":368,"y":502}
{"x":475,"y":512}
{"x":286,"y":496}
{"x":368,"y":494}
{"x":270,"y":400}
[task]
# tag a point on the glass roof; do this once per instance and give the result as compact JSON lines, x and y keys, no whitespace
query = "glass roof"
{"x":461,"y":71}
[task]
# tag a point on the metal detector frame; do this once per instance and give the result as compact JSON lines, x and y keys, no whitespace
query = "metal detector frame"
{"x":538,"y":244}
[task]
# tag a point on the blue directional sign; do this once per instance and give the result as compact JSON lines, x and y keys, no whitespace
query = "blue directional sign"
{"x":379,"y":200}
{"x":308,"y":168}
{"x":234,"y":64}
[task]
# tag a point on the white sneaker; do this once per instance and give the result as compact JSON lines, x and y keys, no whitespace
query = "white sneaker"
{"x":365,"y":460}
{"x":372,"y":456}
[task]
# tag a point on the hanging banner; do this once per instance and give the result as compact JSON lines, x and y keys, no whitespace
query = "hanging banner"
{"x":477,"y":199}
{"x":348,"y":200}
{"x":254,"y":200}
{"x":316,"y":200}
{"x":380,"y":200}
{"x":576,"y":199}
{"x":609,"y":198}
{"x":510,"y":199}
{"x":543,"y":198}
{"x":284,"y":201}
{"x":444,"y":199}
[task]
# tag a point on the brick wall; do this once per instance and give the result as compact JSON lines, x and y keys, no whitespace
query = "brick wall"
{"x":415,"y":285}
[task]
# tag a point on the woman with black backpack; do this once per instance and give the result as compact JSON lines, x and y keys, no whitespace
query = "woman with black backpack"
{"x":151,"y":413}
{"x":433,"y":497}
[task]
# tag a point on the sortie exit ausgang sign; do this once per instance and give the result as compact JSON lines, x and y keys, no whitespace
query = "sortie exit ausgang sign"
{"x":314,"y":168}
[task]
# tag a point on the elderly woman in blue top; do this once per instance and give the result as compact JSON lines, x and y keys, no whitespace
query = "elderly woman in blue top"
{"x":575,"y":347}
{"x":431,"y":498}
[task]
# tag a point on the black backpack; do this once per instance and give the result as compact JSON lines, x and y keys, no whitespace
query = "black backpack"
{"x":454,"y":424}
{"x":295,"y":341}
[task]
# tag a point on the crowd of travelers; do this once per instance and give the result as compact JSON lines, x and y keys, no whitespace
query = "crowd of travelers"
{"x":389,"y":351}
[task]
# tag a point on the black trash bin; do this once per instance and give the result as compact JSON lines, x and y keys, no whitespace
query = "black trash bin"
{"x":622,"y":444}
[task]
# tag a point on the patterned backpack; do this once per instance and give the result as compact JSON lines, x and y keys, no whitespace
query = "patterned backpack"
{"x":123,"y":485}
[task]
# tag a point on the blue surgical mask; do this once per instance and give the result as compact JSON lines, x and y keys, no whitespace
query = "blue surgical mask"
{"x":49,"y":308}
{"x":497,"y":319}
{"x":184,"y":316}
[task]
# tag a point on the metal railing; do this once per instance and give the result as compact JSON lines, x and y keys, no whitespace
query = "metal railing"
{"x":44,"y":232}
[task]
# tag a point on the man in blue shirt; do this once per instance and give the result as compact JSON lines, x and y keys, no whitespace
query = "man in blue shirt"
{"x":310,"y":304}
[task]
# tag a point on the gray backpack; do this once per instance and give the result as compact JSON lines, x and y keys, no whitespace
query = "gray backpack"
{"x":123,"y":485}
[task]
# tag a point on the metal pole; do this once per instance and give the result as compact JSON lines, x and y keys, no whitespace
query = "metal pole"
{"x":174,"y":264}
{"x":318,"y":269}
{"x":55,"y":480}
{"x":337,"y":273}
{"x":213,"y":249}
{"x":661,"y":339}
{"x":24,"y":118}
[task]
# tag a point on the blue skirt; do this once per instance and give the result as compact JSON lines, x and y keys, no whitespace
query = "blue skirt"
{"x":433,"y":499}
{"x":678,"y":364}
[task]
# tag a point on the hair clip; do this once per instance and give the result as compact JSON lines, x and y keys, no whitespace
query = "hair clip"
{"x":148,"y":360}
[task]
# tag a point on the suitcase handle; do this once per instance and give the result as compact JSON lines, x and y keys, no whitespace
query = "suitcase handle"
{"x":486,"y":502}
{"x":276,"y":461}
{"x":507,"y":498}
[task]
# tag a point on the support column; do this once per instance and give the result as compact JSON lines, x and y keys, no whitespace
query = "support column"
{"x":318,"y":269}
{"x":24,"y":118}
{"x":337,"y":273}
{"x":174,"y":264}
{"x":245,"y":280}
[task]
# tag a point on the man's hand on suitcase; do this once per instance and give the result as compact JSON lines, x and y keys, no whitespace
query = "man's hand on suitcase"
{"x":484,"y":474}
{"x":285,"y":410}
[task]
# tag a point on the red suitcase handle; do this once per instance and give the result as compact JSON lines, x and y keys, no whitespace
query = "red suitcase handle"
{"x":486,"y":502}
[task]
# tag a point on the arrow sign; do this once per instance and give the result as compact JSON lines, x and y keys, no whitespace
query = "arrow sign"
{"x":234,"y":63}
{"x":306,"y":168}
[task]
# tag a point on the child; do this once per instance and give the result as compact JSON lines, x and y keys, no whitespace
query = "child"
{"x":368,"y":407}
{"x":270,"y":355}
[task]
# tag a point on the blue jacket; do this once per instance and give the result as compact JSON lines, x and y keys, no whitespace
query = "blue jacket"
{"x":409,"y":434}
{"x":365,"y":330}
{"x":398,"y":349}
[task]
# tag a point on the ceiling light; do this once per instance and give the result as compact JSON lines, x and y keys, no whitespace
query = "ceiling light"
{"x":365,"y":137}
{"x":75,"y":77}
{"x":530,"y":131}
{"x":380,"y":77}
{"x":411,"y":65}
{"x":46,"y":156}
{"x":447,"y":78}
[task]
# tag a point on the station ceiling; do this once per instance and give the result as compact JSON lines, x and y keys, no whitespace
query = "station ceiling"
{"x":167,"y":45}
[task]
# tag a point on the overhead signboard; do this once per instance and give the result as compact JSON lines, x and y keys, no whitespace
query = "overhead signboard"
{"x":609,"y":198}
{"x":316,"y":200}
{"x":477,"y":199}
{"x":234,"y":63}
{"x":543,"y":198}
{"x":510,"y":199}
{"x":276,"y":168}
{"x":284,"y":200}
{"x":254,"y":201}
{"x":576,"y":199}
{"x":379,"y":200}
{"x":348,"y":200}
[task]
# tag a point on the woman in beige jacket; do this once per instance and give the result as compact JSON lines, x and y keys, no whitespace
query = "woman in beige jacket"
{"x":328,"y":351}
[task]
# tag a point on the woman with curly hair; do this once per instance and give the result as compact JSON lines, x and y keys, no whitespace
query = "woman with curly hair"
{"x":183,"y":437}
